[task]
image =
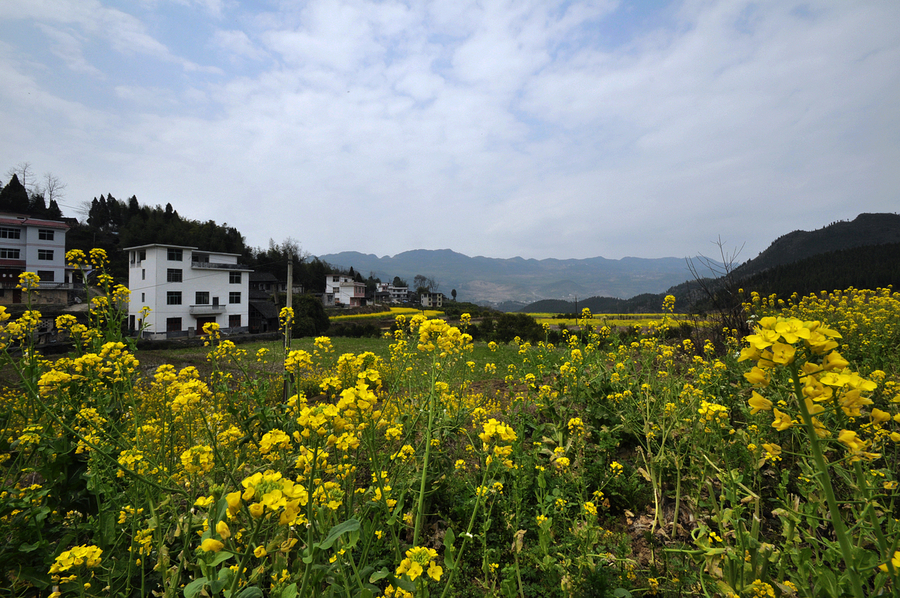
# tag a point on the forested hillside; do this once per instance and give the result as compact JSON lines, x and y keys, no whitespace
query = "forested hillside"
{"x":844,"y":254}
{"x":114,"y":224}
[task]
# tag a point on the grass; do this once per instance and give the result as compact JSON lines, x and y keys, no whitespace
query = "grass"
{"x":502,"y":356}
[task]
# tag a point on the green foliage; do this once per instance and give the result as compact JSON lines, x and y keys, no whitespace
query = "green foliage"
{"x":14,"y":197}
{"x":310,"y":318}
{"x":508,"y":326}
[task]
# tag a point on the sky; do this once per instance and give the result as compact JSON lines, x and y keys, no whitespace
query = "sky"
{"x":538,"y":129}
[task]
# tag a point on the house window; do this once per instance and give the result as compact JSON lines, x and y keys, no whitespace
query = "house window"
{"x":234,"y":297}
{"x":234,"y":321}
{"x":9,"y":254}
{"x":173,"y":298}
{"x":173,"y":275}
{"x":173,"y":324}
{"x":45,"y":234}
{"x":143,"y":298}
{"x":201,"y":298}
{"x":175,"y":255}
{"x":10,"y":233}
{"x":143,"y":274}
{"x":234,"y":277}
{"x":142,"y":255}
{"x":46,"y":275}
{"x":45,"y":254}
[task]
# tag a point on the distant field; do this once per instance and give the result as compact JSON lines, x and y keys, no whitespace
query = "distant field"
{"x":608,"y":319}
{"x":395,"y":311}
{"x":613,"y":320}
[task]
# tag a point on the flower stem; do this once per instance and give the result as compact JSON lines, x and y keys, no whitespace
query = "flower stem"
{"x":825,"y":479}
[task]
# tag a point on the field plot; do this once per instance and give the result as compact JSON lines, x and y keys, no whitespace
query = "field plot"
{"x":613,"y":320}
{"x":425,"y":464}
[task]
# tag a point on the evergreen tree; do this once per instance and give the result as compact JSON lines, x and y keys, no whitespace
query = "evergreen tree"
{"x":14,"y":197}
{"x":53,"y":211}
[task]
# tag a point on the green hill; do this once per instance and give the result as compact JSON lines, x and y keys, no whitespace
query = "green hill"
{"x":863,"y":253}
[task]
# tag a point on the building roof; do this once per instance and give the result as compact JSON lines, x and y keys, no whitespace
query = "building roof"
{"x":172,"y":245}
{"x":266,"y":309}
{"x":149,"y":245}
{"x":15,"y":220}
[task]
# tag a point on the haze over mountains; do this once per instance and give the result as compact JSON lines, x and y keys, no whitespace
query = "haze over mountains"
{"x":493,"y":280}
{"x":497,"y":281}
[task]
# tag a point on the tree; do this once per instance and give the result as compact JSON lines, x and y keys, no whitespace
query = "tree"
{"x":429,"y":284}
{"x":453,"y":294}
{"x":24,"y":173}
{"x":53,"y":211}
{"x":399,"y":282}
{"x":310,"y":318}
{"x":53,"y":188}
{"x":36,"y":205}
{"x":14,"y":196}
{"x":722,"y":291}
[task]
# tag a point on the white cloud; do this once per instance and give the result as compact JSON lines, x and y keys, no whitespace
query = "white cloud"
{"x":492,"y":128}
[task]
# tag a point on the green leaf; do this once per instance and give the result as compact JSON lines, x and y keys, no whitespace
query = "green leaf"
{"x":450,"y":552}
{"x":449,"y":538}
{"x":336,"y":532}
{"x":379,"y":575}
{"x":290,"y":591}
{"x":221,"y":557}
{"x":29,"y":547}
{"x":253,"y":592}
{"x":397,"y":509}
{"x":224,"y":579}
{"x":193,"y":589}
{"x":621,"y":593}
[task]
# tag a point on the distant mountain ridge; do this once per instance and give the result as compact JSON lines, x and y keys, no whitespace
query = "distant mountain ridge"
{"x":517,"y":282}
{"x":864,"y":230}
{"x":863,"y":253}
{"x":497,"y":280}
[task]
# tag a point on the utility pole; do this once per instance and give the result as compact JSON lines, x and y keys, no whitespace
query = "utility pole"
{"x":290,"y":297}
{"x":287,"y":329}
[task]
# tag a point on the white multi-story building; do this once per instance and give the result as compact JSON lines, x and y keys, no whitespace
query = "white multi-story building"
{"x":432,"y":299}
{"x":341,"y":289}
{"x":185,"y":288}
{"x":33,"y":245}
{"x":388,"y":293}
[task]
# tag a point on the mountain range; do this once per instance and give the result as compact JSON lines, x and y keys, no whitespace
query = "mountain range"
{"x":494,"y":281}
{"x":508,"y":283}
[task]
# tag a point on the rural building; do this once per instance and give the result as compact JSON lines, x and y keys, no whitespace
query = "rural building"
{"x":33,"y":245}
{"x":432,"y":299}
{"x":342,"y":290}
{"x":185,"y":288}
{"x":388,"y":293}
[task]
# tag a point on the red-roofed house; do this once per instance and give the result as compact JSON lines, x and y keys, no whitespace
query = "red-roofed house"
{"x":33,"y":245}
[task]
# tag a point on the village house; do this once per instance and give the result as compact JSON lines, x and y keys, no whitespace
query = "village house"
{"x":388,"y":293}
{"x":185,"y":288}
{"x":342,"y":290}
{"x":432,"y":300}
{"x":33,"y":245}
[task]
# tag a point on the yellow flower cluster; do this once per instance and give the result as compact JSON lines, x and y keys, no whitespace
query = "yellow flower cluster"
{"x":197,"y":459}
{"x":418,"y":561}
{"x":808,"y":349}
{"x":438,"y":335}
{"x":86,"y":555}
{"x":272,"y":493}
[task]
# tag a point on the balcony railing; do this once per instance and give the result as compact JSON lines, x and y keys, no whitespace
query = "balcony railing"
{"x":218,"y":266}
{"x":206,"y":310}
{"x":46,"y":286}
